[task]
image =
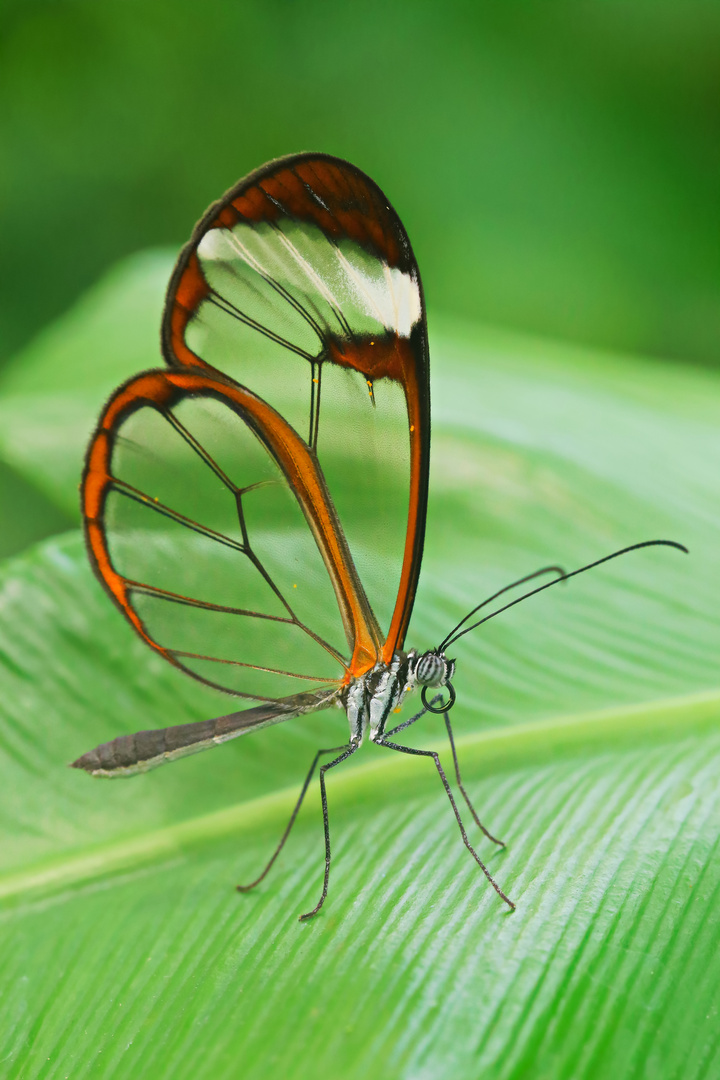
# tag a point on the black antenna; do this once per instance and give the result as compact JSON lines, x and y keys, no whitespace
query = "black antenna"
{"x":520,"y":581}
{"x":454,"y":636}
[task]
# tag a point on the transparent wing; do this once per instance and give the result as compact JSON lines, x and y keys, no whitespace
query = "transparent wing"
{"x":209,"y":522}
{"x":301,"y":284}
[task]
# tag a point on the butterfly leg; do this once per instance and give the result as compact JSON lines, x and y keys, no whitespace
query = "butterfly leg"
{"x":293,"y":816}
{"x":412,"y":719}
{"x":448,"y":792}
{"x":347,"y":751}
{"x":471,"y":808}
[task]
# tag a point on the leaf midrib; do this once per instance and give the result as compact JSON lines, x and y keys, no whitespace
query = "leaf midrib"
{"x":487,"y":751}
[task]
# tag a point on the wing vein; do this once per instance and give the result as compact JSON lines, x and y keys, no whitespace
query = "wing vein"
{"x":199,"y":449}
{"x":315,"y":279}
{"x":255,"y":667}
{"x":259,"y":269}
{"x":225,"y":305}
{"x":191,"y":601}
{"x":174,"y":515}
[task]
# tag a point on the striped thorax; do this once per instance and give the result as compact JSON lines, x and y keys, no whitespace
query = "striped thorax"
{"x":372,"y":698}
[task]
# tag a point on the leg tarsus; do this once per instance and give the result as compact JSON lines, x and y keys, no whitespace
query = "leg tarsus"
{"x":471,"y":808}
{"x":432,"y":754}
{"x":348,"y":750}
{"x":291,"y":822}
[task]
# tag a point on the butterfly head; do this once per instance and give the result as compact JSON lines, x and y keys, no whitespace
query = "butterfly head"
{"x":433,"y":670}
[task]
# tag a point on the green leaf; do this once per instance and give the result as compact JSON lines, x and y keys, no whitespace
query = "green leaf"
{"x":52,"y":391}
{"x":25,"y":514}
{"x":588,"y":723}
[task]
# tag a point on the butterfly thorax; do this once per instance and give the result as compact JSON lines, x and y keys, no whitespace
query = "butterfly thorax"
{"x":372,"y":698}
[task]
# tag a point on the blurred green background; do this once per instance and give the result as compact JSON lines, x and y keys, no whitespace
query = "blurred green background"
{"x":556,"y":165}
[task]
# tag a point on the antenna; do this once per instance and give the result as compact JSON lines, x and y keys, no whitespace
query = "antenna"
{"x":520,"y":581}
{"x":454,"y":635}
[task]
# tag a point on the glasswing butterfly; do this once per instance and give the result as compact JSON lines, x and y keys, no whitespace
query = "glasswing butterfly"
{"x":257,"y":508}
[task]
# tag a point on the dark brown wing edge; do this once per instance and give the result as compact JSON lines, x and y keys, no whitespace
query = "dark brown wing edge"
{"x":145,"y":750}
{"x":342,"y":188}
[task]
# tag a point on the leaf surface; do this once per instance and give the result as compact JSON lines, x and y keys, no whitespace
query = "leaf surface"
{"x":588,"y":725}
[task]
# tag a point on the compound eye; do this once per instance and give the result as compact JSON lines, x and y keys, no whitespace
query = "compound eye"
{"x":430,"y":670}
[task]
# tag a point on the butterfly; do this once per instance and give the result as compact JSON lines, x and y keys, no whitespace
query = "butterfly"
{"x":256,"y":509}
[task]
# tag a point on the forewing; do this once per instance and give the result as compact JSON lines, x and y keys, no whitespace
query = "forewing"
{"x":301,"y":284}
{"x":209,"y":523}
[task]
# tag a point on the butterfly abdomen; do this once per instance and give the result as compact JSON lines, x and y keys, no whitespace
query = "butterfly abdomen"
{"x":145,"y":750}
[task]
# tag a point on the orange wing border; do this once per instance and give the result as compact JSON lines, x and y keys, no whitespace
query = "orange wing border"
{"x":162,"y":389}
